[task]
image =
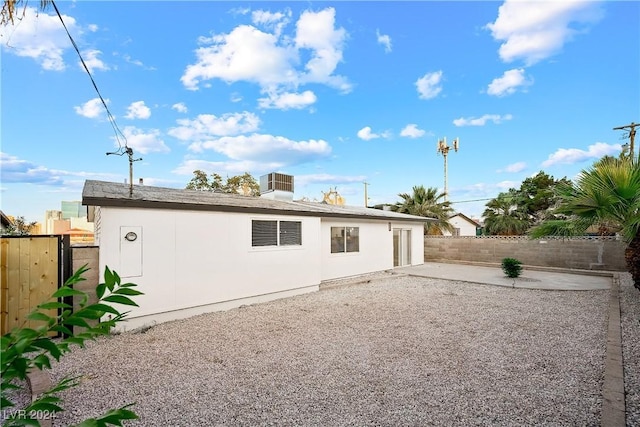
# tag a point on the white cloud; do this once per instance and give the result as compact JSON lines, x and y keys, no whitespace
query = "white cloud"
{"x":324,"y":178}
{"x":288,"y":100}
{"x":271,"y":60}
{"x":575,"y":155}
{"x":180,"y":107}
{"x":366,"y":134}
{"x":510,"y":81}
{"x":384,"y":40}
{"x":39,"y":36}
{"x":137,"y":110}
{"x":246,"y":53}
{"x":316,"y":31}
{"x":230,"y":167}
{"x":271,"y":20}
{"x":533,"y":31}
{"x":144,"y":142}
{"x":481,"y":121}
{"x":92,"y":61}
{"x":92,"y":27}
{"x":91,"y":109}
{"x":206,"y":126}
{"x":429,"y":85}
{"x":265,"y":148}
{"x":412,"y":131}
{"x":514,"y":167}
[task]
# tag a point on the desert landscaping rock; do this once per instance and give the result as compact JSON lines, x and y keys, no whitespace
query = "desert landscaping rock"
{"x":395,"y":351}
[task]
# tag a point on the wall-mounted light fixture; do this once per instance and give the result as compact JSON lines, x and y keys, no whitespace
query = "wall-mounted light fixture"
{"x":130,"y":236}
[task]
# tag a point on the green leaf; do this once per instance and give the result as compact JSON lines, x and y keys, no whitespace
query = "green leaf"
{"x":39,"y":316}
{"x":127,"y":291}
{"x":66,"y":292}
{"x":89,"y":314}
{"x":100,"y":290}
{"x":53,"y":306}
{"x":50,"y":346}
{"x":120,"y":299}
{"x":42,"y":361}
{"x":76,"y":321}
{"x":103,"y":307}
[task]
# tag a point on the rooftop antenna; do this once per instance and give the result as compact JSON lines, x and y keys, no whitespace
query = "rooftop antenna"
{"x":129,"y":152}
{"x":632,"y":133}
{"x":444,"y":149}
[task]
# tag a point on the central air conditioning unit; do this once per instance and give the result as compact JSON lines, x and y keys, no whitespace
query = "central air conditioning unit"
{"x":277,"y":186}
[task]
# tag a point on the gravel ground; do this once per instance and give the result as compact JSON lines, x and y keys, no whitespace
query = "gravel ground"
{"x":630,"y":322}
{"x":396,"y":351}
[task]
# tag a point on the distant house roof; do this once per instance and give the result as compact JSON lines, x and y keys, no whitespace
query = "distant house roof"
{"x":463,"y":216}
{"x":5,"y":220}
{"x":101,"y":193}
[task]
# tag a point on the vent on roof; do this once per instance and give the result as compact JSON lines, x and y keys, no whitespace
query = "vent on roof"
{"x":276,"y":186}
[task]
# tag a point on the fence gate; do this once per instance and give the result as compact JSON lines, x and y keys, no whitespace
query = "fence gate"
{"x":31,"y":269}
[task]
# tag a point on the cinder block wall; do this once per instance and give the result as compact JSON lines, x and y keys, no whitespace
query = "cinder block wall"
{"x":578,"y":253}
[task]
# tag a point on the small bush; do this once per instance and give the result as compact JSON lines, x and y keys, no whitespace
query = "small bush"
{"x":511,"y":267}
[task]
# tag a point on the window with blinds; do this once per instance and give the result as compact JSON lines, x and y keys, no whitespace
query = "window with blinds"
{"x":276,"y":233}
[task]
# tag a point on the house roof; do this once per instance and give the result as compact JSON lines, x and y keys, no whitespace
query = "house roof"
{"x":101,"y":193}
{"x":463,"y":216}
{"x":6,"y":221}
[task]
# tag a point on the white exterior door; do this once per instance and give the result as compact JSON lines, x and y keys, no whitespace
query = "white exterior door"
{"x":401,"y":247}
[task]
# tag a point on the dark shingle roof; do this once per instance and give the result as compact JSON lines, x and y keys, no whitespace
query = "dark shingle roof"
{"x":101,"y":193}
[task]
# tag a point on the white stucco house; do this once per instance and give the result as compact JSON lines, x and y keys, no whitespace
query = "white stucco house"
{"x":192,"y":252}
{"x":463,"y":226}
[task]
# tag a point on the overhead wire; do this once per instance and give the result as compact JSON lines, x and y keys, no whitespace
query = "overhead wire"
{"x":118,"y":133}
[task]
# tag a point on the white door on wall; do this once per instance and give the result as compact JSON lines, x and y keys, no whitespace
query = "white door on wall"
{"x":130,"y":252}
{"x":401,"y":247}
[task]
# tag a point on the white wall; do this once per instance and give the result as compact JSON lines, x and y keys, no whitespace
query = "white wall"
{"x":376,"y":248}
{"x":188,"y":258}
{"x":466,"y":228}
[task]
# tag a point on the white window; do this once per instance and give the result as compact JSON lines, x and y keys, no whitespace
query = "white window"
{"x":345,"y":239}
{"x":276,"y":233}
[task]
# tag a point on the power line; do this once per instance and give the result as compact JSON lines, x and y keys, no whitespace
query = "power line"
{"x":110,"y":117}
{"x":473,"y":200}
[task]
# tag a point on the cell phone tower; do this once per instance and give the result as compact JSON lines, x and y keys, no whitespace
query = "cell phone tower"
{"x":444,"y":149}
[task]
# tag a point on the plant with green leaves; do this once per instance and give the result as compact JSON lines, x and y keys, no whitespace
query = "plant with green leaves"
{"x":26,"y":349}
{"x":605,"y":197}
{"x":429,"y":203}
{"x":511,"y":267}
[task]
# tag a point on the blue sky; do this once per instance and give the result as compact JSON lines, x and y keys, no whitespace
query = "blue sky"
{"x":334,"y":93}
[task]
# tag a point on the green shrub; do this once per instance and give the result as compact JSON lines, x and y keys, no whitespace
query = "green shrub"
{"x":26,"y":349}
{"x":511,"y":267}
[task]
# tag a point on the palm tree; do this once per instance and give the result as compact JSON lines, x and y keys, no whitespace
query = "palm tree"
{"x":503,"y":218}
{"x":606,"y":196}
{"x":428,"y":203}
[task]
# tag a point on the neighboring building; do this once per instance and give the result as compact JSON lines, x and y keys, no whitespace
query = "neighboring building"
{"x":73,"y":209}
{"x":71,"y":220}
{"x":5,"y":222}
{"x":463,"y":226}
{"x":192,"y":252}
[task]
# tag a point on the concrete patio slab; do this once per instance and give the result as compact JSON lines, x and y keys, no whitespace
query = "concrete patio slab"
{"x":529,"y":279}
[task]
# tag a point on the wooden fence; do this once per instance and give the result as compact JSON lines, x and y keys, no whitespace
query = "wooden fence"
{"x":31,"y":269}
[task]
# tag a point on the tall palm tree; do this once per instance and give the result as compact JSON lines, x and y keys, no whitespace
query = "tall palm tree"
{"x":428,"y":203}
{"x":503,"y":218}
{"x":607,"y":195}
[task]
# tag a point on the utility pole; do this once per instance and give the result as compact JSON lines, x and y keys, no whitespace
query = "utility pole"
{"x":632,"y":134}
{"x":444,"y":149}
{"x":366,"y":198}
